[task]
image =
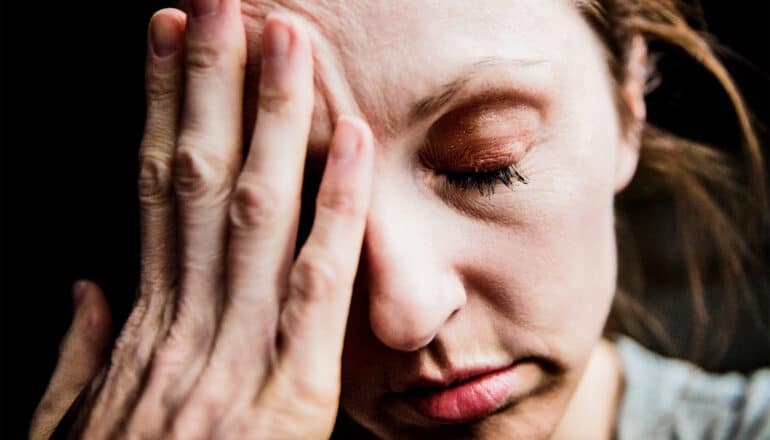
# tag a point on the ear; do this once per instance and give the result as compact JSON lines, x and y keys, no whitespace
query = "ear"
{"x":632,"y":93}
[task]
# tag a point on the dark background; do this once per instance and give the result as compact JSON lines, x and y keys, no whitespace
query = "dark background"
{"x":73,"y":73}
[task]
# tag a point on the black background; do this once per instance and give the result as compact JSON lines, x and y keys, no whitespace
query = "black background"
{"x":73,"y":76}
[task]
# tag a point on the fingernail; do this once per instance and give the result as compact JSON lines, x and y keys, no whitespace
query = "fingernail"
{"x":164,"y":35}
{"x":79,"y":290}
{"x":277,"y":39}
{"x":346,"y":140}
{"x":201,"y":8}
{"x":276,"y":47}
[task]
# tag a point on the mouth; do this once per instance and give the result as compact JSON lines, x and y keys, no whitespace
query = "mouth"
{"x":470,"y":395}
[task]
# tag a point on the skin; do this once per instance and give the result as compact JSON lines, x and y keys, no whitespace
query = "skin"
{"x":238,"y":338}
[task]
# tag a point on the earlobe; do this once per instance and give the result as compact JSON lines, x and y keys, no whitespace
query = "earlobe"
{"x":632,"y":93}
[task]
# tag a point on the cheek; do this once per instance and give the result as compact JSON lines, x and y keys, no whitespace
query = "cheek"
{"x":570,"y":246}
{"x":556,"y":262}
{"x":577,"y":265}
{"x":566,"y":250}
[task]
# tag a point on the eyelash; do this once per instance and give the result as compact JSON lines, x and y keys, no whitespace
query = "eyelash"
{"x":484,"y":181}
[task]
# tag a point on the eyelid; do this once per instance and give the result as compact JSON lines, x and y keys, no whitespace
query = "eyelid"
{"x":498,"y":132}
{"x":476,"y":157}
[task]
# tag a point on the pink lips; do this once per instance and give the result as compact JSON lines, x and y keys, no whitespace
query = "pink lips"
{"x":475,"y":398}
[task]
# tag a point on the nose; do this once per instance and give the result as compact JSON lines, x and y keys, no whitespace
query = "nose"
{"x":412,"y":289}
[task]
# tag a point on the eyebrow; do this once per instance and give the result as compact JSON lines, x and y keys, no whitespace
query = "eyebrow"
{"x":447,"y":92}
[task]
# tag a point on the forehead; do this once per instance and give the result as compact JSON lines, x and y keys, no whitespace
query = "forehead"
{"x":377,"y":58}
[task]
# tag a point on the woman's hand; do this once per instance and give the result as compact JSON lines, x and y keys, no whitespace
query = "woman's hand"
{"x":231,"y":337}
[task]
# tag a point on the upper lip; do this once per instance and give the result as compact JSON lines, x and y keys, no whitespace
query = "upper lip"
{"x":446,"y":379}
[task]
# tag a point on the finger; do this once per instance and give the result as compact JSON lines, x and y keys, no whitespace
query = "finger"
{"x":164,"y":90}
{"x":264,"y":211}
{"x":81,"y":355}
{"x":163,"y":77}
{"x":265,"y":206}
{"x":205,"y":163}
{"x":207,"y":156}
{"x":263,"y":215}
{"x":313,"y":321}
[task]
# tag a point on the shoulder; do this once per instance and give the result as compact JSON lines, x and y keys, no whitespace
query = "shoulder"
{"x":670,"y":398}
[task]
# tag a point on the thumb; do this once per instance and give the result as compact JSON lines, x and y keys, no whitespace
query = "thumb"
{"x":81,"y":355}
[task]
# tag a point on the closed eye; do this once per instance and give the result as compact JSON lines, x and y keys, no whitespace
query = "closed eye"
{"x":484,"y":181}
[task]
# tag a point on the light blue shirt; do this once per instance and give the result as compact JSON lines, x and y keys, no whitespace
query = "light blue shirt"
{"x":667,"y":398}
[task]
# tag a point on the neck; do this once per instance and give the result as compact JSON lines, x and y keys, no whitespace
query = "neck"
{"x":593,"y":409}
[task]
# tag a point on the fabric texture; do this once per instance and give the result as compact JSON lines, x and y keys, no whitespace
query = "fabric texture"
{"x":666,"y":398}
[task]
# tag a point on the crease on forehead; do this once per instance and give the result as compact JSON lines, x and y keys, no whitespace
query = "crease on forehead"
{"x":335,"y":33}
{"x":343,"y":47}
{"x":340,"y":36}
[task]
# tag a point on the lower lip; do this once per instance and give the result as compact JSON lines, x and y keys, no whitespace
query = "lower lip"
{"x":471,"y":400}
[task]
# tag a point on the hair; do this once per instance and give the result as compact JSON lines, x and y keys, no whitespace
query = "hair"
{"x":719,"y":212}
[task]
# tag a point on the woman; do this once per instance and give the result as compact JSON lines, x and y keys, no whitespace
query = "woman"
{"x":460,"y":167}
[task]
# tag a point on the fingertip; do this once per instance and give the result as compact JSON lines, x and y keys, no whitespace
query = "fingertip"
{"x":170,"y":16}
{"x":349,"y":170}
{"x":80,"y":291}
{"x":176,"y":13}
{"x":166,"y":32}
{"x":92,"y":310}
{"x":282,"y":18}
{"x":354,"y":121}
{"x":93,"y":319}
{"x":362,"y":129}
{"x":297,"y":37}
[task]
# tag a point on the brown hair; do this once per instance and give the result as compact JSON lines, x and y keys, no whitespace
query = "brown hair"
{"x":719,"y":212}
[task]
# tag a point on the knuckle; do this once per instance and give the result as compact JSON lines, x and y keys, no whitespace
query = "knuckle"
{"x":313,"y":277}
{"x":197,"y":177}
{"x":341,"y":201}
{"x":160,"y":85}
{"x":276,"y":99}
{"x":154,"y":180}
{"x":203,"y":56}
{"x":253,"y":205}
{"x":212,"y":57}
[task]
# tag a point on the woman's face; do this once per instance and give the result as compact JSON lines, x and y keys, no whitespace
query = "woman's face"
{"x":453,"y":283}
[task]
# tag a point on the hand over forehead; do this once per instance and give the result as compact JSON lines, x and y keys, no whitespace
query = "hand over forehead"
{"x":396,"y":63}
